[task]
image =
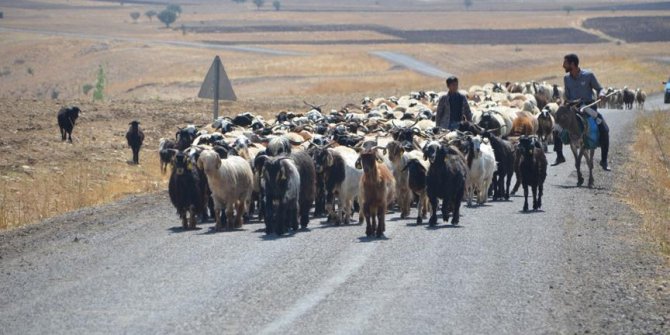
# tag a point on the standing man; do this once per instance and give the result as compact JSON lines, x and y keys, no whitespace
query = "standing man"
{"x":452,"y":108}
{"x":580,"y":85}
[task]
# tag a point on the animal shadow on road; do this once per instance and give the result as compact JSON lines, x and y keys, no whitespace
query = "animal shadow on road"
{"x":531,"y":211}
{"x":367,"y":239}
{"x":274,"y":237}
{"x":180,"y":229}
{"x":443,"y":226}
{"x":212,"y":231}
{"x":570,"y":187}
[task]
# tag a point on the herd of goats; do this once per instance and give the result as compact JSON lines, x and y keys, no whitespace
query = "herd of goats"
{"x":365,"y":158}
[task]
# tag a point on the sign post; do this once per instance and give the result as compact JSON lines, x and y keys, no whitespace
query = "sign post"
{"x":217,"y":86}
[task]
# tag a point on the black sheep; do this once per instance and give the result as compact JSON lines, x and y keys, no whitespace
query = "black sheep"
{"x":446,"y":180}
{"x":67,"y":116}
{"x":135,"y":137}
{"x":502,"y":177}
{"x":533,"y":169}
{"x":184,"y":189}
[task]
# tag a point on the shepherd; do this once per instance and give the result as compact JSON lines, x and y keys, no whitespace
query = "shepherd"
{"x":580,"y":86}
{"x":452,"y":107}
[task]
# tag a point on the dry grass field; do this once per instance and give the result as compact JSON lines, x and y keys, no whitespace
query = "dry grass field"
{"x":51,"y":48}
{"x":647,"y":188}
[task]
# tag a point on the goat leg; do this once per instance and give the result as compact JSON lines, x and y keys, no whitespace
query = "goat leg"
{"x":525,"y":196}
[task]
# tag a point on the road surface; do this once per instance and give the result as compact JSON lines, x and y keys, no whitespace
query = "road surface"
{"x":579,"y":265}
{"x":411,"y":63}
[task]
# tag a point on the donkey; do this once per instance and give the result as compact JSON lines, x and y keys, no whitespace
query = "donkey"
{"x":569,"y":119}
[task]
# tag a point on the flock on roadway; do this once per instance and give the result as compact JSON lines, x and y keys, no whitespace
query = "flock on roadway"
{"x":369,"y":158}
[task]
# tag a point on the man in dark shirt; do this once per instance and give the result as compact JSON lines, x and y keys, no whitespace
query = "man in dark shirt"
{"x":452,"y":107}
{"x":579,"y":85}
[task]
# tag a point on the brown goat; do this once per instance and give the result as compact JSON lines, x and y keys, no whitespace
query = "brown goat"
{"x":524,"y":124}
{"x":377,"y":188}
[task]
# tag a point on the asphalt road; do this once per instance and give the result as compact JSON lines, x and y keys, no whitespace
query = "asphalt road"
{"x":580,"y":265}
{"x":411,"y":63}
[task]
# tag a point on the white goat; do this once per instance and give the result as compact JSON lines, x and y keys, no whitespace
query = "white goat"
{"x":482,"y":165}
{"x":231,"y":183}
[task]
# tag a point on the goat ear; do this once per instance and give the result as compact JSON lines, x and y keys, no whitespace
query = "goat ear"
{"x":358,"y":164}
{"x":329,"y":159}
{"x":379,"y":159}
{"x":218,"y":163}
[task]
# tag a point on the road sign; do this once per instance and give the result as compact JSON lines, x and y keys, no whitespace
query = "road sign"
{"x":217,"y":86}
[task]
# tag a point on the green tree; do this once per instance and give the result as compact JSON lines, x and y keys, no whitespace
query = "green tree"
{"x":276,"y":4}
{"x":167,"y":17}
{"x":150,"y":14}
{"x":99,"y":85}
{"x":467,"y":3}
{"x":568,"y":9}
{"x":239,"y":1}
{"x":174,"y":8}
{"x":135,"y":16}
{"x":259,"y":4}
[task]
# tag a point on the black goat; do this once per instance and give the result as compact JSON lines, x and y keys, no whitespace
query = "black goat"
{"x":533,"y":170}
{"x":282,"y":191}
{"x":184,"y":189}
{"x":504,"y":153}
{"x":445,"y":179}
{"x":164,"y":153}
{"x":329,"y":166}
{"x":135,"y":137}
{"x":417,"y":184}
{"x":185,"y":137}
{"x":67,"y":116}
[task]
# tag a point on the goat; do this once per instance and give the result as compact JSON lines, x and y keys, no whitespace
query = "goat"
{"x":416,"y":170}
{"x":135,"y":137}
{"x":628,"y":98}
{"x":164,"y":152}
{"x":445,"y":180}
{"x":398,"y":163}
{"x":185,"y":136}
{"x":231,"y":183}
{"x":67,"y":116}
{"x":330,"y":167}
{"x":545,"y":127}
{"x":377,"y":187}
{"x":350,"y":186}
{"x":481,"y":164}
{"x":524,"y":124}
{"x":184,"y":190}
{"x":504,"y":154}
{"x":533,"y":170}
{"x":640,"y":98}
{"x":282,"y":191}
